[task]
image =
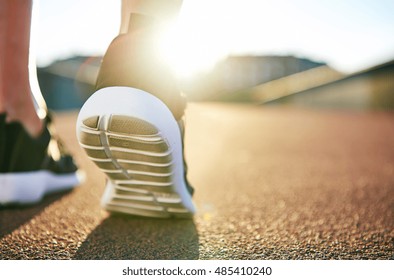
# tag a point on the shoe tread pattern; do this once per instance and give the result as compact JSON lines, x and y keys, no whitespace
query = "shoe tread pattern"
{"x":138,"y":161}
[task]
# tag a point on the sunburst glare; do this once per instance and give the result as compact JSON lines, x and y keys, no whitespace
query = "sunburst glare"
{"x":197,"y":40}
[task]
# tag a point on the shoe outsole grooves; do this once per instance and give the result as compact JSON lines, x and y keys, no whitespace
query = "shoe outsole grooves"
{"x":138,"y":161}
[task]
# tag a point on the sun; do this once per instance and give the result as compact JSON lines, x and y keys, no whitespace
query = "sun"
{"x":193,"y":44}
{"x":188,"y":56}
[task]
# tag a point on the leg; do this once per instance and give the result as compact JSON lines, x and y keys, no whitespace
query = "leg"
{"x":160,"y":10}
{"x":29,"y":166}
{"x":15,"y":92}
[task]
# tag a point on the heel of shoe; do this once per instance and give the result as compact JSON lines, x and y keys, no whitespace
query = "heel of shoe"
{"x":135,"y":140}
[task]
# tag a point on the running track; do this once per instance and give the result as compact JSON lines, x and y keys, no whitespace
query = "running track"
{"x":271,"y":183}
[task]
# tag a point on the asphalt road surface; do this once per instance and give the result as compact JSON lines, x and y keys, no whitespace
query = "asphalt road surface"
{"x":271,"y":183}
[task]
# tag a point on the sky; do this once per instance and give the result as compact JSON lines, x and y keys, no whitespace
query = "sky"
{"x":349,"y":35}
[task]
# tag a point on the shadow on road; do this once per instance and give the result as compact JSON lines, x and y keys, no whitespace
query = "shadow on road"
{"x":13,"y":216}
{"x":131,"y":238}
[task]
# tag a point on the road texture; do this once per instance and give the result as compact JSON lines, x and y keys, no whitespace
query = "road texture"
{"x":271,"y":183}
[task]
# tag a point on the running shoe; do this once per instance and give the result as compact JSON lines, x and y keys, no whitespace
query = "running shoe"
{"x":31,"y":168}
{"x":130,"y":128}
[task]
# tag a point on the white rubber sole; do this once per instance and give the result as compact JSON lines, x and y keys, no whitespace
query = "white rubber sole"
{"x":134,"y":139}
{"x":30,"y":187}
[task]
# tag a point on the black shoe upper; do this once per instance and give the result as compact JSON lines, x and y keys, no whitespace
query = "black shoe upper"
{"x":133,"y":60}
{"x":19,"y":152}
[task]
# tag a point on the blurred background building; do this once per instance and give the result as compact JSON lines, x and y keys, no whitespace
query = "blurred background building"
{"x":66,"y":84}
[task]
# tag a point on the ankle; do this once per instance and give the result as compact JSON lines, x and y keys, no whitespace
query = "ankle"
{"x":33,"y":125}
{"x":142,"y":23}
{"x":34,"y":128}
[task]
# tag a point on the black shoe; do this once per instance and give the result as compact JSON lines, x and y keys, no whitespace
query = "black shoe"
{"x":33,"y":167}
